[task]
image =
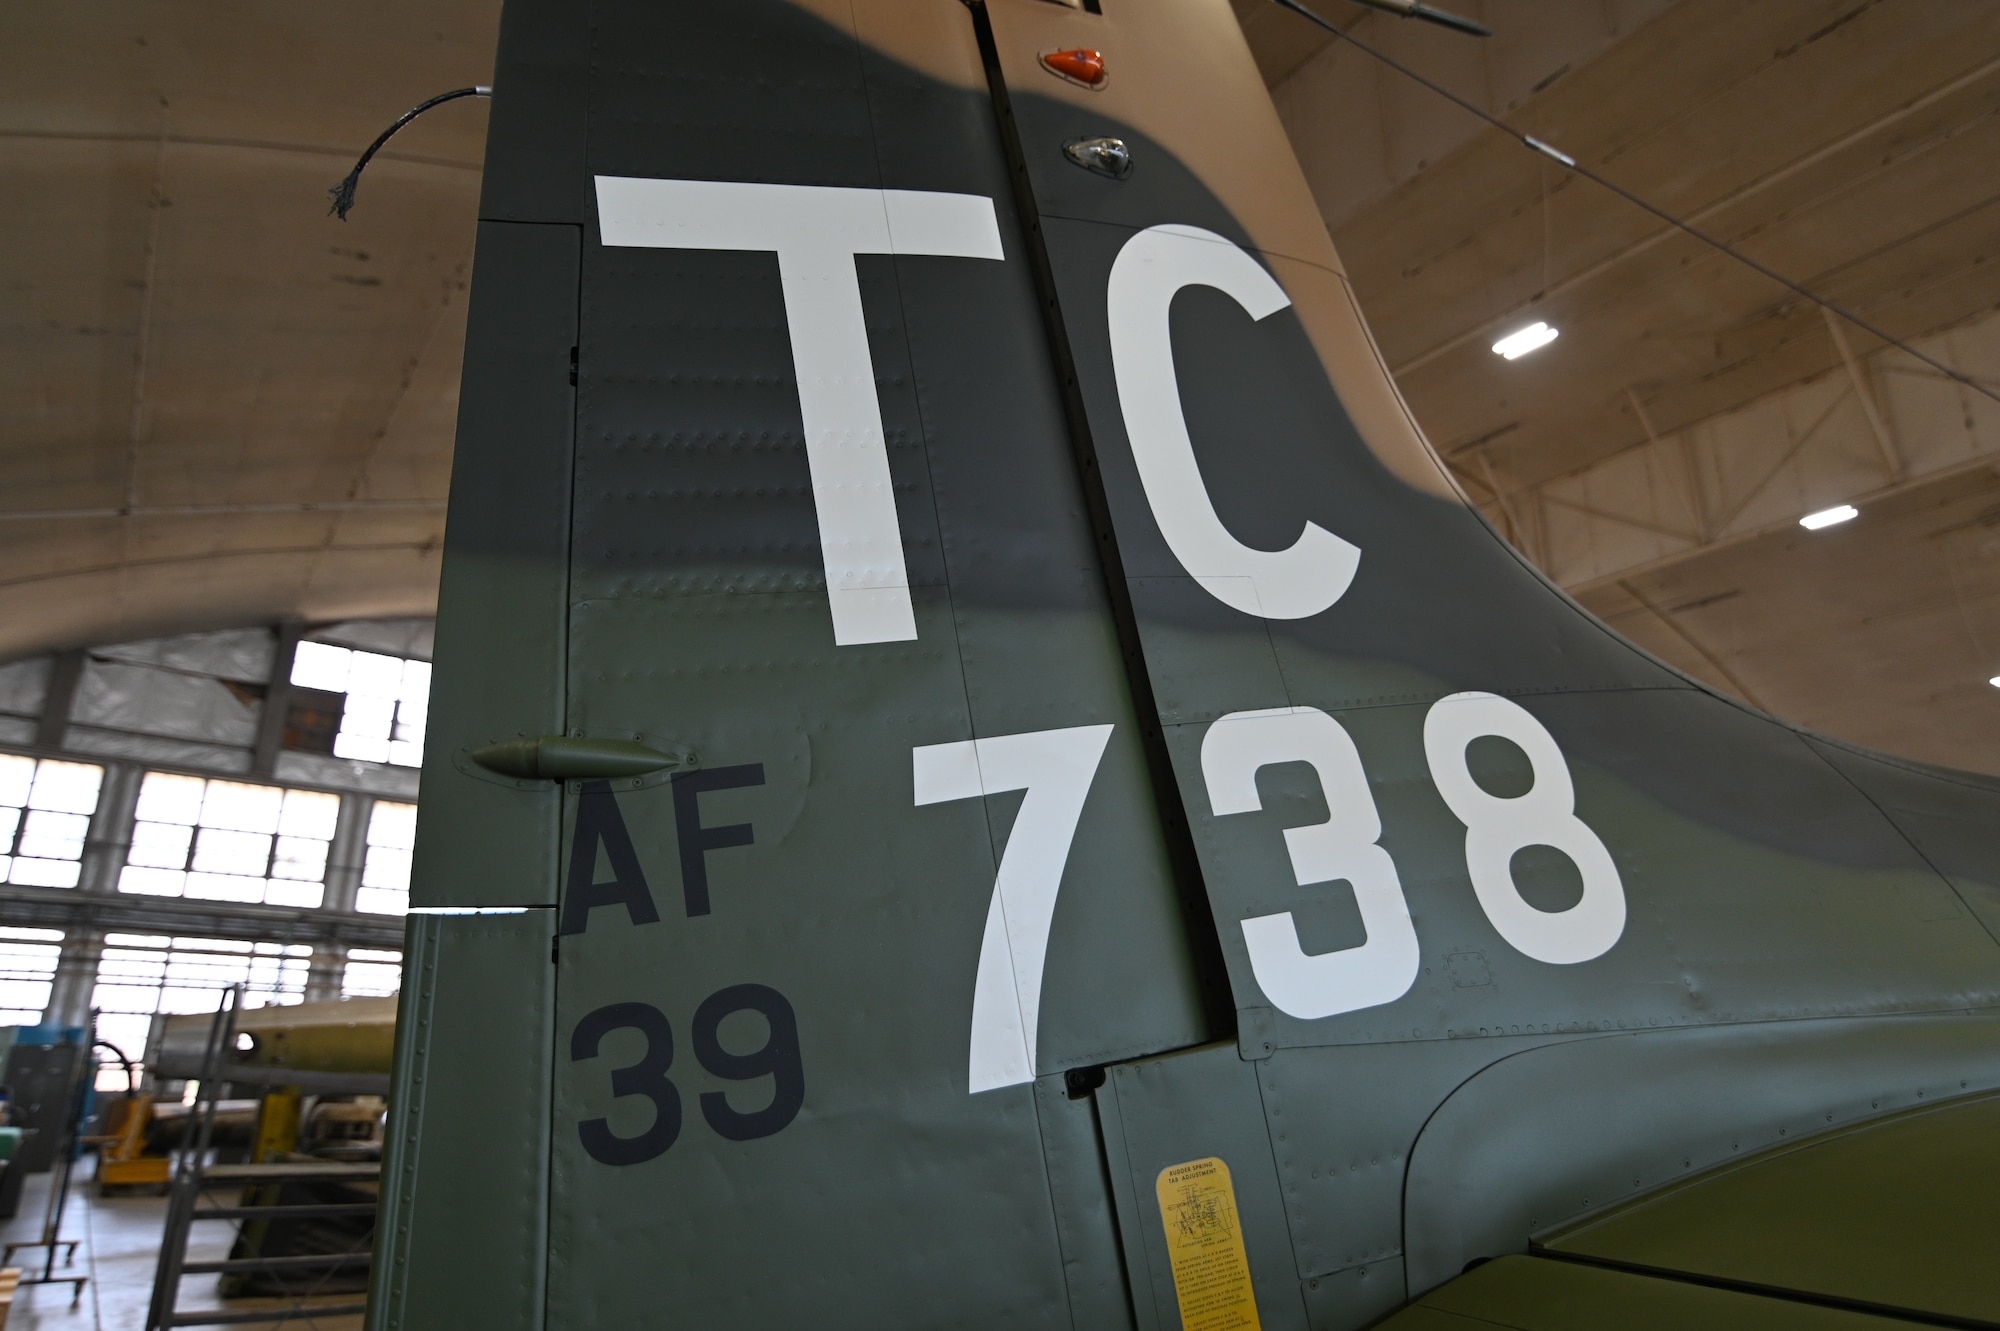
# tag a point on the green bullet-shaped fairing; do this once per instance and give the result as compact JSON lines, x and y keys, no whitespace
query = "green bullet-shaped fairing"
{"x":570,"y":758}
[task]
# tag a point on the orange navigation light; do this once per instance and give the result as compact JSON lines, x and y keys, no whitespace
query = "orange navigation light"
{"x":1081,"y":65}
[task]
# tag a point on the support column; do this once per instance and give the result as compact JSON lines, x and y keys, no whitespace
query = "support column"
{"x":325,"y":972}
{"x":110,"y":836}
{"x":75,"y":978}
{"x":343,"y":879}
{"x":104,"y":849}
{"x":277,"y":700}
{"x":65,"y":673}
{"x":350,"y":847}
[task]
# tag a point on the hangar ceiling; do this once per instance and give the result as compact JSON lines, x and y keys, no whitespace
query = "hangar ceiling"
{"x":219,"y":406}
{"x":1655,"y":458}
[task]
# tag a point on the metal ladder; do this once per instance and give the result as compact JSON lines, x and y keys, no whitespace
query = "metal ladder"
{"x":192,"y":1179}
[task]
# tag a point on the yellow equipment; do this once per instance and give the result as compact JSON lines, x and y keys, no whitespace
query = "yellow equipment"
{"x":123,"y":1161}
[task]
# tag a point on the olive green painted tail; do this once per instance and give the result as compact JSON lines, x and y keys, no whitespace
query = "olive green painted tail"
{"x":1027,"y":797}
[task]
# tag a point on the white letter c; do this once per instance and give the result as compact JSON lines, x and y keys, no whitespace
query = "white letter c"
{"x":1149,"y":271}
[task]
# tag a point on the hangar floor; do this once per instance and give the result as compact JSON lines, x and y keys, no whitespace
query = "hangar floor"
{"x":118,"y":1246}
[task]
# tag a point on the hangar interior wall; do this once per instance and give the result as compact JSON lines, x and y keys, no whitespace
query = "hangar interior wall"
{"x":182,"y":814}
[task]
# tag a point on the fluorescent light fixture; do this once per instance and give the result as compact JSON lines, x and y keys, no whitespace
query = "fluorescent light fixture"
{"x":1826,"y":517}
{"x":1522,"y":341}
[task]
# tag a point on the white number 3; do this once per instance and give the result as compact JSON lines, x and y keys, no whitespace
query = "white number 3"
{"x":1302,"y":984}
{"x":1496,"y":827}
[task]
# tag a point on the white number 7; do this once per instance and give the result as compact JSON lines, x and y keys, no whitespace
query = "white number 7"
{"x":1056,"y":768}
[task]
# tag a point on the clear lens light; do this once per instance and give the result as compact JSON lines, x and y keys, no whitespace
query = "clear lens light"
{"x":1826,"y":517}
{"x":1522,"y":341}
{"x":1995,"y":681}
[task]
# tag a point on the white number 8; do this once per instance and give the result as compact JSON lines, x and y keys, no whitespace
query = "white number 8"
{"x":1495,"y":828}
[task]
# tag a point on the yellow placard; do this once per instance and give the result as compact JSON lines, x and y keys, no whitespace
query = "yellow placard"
{"x":1205,"y":1247}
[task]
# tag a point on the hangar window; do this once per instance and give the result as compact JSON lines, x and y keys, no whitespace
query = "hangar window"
{"x":27,"y":973}
{"x":371,"y":973}
{"x":387,"y":699}
{"x":385,"y":872}
{"x":229,"y":841}
{"x":144,"y":974}
{"x":45,"y":809}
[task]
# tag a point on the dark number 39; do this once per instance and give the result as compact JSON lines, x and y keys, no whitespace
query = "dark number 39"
{"x":778,"y":1059}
